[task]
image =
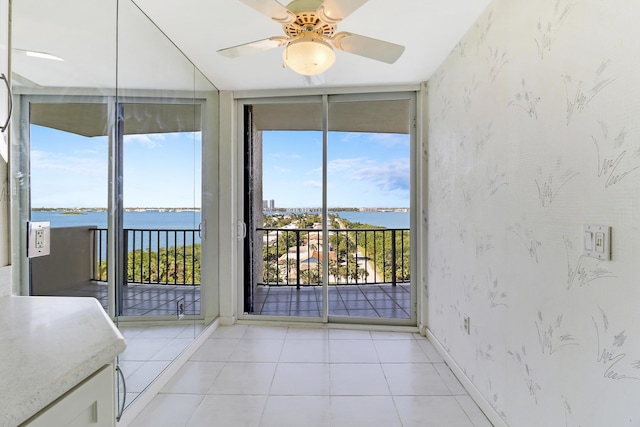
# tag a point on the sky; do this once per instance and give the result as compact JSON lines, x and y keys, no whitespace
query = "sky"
{"x":364,"y":169}
{"x":160,"y":170}
{"x":163,"y":170}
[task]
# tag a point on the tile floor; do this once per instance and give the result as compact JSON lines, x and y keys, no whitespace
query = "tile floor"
{"x":247,"y":375}
{"x":149,"y":351}
{"x":387,"y":301}
{"x":381,"y":300}
{"x":142,"y":300}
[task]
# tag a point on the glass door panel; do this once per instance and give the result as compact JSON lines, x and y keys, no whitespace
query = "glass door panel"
{"x":162,"y":170}
{"x":369,"y":200}
{"x":283,"y":210}
{"x":156,"y":202}
{"x":69,"y":191}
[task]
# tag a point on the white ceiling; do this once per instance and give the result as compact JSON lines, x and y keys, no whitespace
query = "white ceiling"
{"x":429,"y":29}
{"x":83,"y":33}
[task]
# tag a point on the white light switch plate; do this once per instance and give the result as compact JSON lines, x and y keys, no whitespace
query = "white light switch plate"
{"x":596,"y":241}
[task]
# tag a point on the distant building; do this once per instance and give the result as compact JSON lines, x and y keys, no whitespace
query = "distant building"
{"x":268,"y":205}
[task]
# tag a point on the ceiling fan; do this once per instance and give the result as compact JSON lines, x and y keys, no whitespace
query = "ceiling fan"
{"x":310,"y":28}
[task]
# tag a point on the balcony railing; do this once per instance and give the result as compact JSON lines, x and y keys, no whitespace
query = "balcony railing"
{"x":355,"y":256}
{"x":153,"y":256}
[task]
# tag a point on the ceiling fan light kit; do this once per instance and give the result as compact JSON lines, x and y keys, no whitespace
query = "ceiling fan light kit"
{"x":309,"y":55}
{"x":310,"y":27}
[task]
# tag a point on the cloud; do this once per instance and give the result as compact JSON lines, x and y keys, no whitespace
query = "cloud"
{"x":340,"y":165}
{"x":42,"y":161}
{"x":387,"y":140}
{"x":393,"y":175}
{"x":388,"y":176}
{"x":146,"y":140}
{"x":390,"y":140}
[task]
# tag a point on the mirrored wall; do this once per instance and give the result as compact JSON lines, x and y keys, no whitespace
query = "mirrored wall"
{"x":112,"y":123}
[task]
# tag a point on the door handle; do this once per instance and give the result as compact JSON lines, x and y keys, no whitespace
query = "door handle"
{"x":6,"y":82}
{"x":242,"y":230}
{"x":124,"y":397}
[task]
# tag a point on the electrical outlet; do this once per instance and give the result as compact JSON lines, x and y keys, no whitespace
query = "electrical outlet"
{"x":38,"y":238}
{"x":466,"y":324}
{"x":180,"y":308}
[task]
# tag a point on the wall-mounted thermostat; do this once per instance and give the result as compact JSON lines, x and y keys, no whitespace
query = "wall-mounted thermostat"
{"x":597,"y":241}
{"x":38,"y":239}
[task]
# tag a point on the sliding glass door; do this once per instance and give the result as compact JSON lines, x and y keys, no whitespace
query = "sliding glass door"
{"x":328,"y":208}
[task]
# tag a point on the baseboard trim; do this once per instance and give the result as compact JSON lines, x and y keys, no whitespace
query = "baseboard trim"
{"x":154,"y":388}
{"x":474,"y":393}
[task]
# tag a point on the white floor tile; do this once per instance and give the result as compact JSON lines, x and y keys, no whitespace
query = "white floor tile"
{"x":223,"y":410}
{"x":349,"y":334}
{"x":168,"y":410}
{"x":301,"y":379}
{"x":305,"y":351}
{"x":400,"y":351}
{"x":358,"y":380}
{"x":352,"y":351}
{"x":370,"y":411}
{"x":191,"y":332}
{"x":143,"y":349}
{"x":257,"y":350}
{"x":217,"y":350}
{"x":170,"y":332}
{"x":296,"y":411}
{"x":430,"y":350}
{"x":418,"y":379}
{"x":130,"y":331}
{"x":248,"y":375}
{"x":244,"y":378}
{"x":194,"y":377}
{"x":145,"y":375}
{"x":431,"y":411}
{"x":474,"y":413}
{"x":173,"y":349}
{"x":265,"y":332}
{"x":449,"y":379}
{"x":385,"y":335}
{"x":235,"y":331}
{"x":307,"y":334}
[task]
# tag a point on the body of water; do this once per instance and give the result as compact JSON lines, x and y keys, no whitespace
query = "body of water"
{"x":157,"y":220}
{"x":383,"y":219}
{"x":154,"y":220}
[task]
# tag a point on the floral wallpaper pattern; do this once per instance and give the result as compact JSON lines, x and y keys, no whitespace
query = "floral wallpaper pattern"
{"x":533,"y":132}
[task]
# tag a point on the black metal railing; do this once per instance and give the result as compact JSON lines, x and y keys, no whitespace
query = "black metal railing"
{"x":153,"y":256}
{"x":355,"y":256}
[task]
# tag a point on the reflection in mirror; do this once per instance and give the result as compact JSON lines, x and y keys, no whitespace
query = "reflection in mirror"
{"x":127,"y":189}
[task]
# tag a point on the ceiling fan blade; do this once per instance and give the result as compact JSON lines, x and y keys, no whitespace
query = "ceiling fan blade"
{"x":368,"y":47}
{"x":272,"y":9}
{"x":337,"y":10}
{"x":253,"y":47}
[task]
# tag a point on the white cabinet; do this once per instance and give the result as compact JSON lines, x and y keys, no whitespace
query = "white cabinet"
{"x":89,"y":404}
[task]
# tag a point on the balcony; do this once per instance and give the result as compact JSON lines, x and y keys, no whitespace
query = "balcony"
{"x":163,"y":269}
{"x":369,"y":272}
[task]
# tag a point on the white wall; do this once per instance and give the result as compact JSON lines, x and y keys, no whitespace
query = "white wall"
{"x":533,"y":132}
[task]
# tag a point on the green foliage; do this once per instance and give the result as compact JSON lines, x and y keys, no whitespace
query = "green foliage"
{"x":379,"y":244}
{"x":175,"y":265}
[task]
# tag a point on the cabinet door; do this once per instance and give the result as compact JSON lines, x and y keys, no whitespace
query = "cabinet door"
{"x":90,"y":404}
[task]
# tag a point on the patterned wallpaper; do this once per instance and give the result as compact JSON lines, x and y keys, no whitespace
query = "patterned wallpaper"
{"x":534,"y":130}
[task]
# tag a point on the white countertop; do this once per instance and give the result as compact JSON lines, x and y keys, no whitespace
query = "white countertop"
{"x":48,"y":345}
